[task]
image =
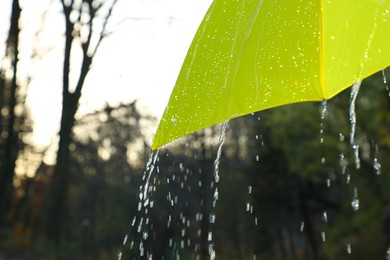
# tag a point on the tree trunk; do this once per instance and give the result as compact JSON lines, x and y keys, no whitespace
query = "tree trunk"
{"x":10,"y":151}
{"x":57,"y":193}
{"x":60,"y":180}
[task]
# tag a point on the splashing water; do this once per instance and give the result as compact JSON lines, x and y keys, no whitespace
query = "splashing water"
{"x":352,"y":118}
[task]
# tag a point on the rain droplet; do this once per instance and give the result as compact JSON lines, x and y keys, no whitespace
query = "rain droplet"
{"x":212,"y":218}
{"x":377,"y":166}
{"x":302,"y":226}
{"x":145,"y":235}
{"x":355,"y":201}
{"x":325,"y":216}
{"x":210,"y":236}
{"x":173,"y":120}
{"x":385,"y":79}
{"x":125,"y":240}
{"x":349,"y":250}
{"x":323,"y":236}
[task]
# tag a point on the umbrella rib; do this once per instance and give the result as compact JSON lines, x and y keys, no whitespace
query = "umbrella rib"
{"x":226,"y":116}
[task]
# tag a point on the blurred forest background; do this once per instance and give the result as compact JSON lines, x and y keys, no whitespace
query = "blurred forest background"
{"x":289,"y":186}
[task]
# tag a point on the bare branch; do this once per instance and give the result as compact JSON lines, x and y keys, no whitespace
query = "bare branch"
{"x":102,"y":34}
{"x":87,"y":58}
{"x":68,"y":46}
{"x":85,"y":45}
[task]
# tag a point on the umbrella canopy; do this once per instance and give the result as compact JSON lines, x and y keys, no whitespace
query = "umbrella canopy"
{"x":250,"y":55}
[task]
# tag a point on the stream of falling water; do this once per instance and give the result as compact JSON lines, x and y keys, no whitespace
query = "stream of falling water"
{"x":217,"y":161}
{"x":144,"y":204}
{"x":385,"y":82}
{"x":352,"y":118}
{"x":324,"y":105}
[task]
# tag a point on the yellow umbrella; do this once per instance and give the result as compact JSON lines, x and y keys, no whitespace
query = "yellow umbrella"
{"x":250,"y":55}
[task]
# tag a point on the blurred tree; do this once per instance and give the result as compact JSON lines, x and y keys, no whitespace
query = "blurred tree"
{"x":80,"y":23}
{"x":8,"y":117}
{"x":108,"y":153}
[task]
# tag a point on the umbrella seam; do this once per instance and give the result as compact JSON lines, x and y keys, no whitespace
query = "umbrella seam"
{"x":321,"y":52}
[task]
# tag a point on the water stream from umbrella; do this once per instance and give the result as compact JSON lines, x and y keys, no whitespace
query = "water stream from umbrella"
{"x":385,"y":82}
{"x":143,"y":228}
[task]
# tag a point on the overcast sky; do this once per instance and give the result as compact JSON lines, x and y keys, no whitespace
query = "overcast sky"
{"x":140,"y":60}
